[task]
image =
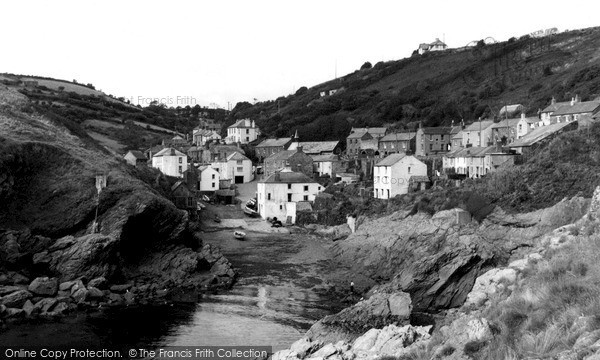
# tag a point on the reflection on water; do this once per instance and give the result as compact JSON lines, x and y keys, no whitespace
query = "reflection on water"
{"x":247,"y":315}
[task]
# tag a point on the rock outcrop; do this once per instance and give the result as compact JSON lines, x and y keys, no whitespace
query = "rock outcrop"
{"x":437,"y":260}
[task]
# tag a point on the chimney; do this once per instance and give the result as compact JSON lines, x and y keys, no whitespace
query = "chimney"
{"x":522,"y":115}
{"x":572,"y":101}
{"x":553,"y":100}
{"x":253,"y":124}
{"x":577,"y":99}
{"x":299,"y":149}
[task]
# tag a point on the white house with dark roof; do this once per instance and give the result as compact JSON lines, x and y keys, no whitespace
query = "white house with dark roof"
{"x":201,"y":136}
{"x":327,"y":165}
{"x":170,"y":162}
{"x":237,"y":168}
{"x":243,"y":131}
{"x":392,"y":175}
{"x":478,"y":133}
{"x":208,"y":180}
{"x":279,"y":194}
{"x":437,"y":45}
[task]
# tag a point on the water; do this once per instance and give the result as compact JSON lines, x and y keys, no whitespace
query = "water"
{"x":278,"y":296}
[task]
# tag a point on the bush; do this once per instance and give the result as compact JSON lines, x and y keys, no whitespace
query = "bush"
{"x":366,"y":65}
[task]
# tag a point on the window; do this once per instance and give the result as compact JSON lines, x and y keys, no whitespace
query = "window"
{"x":198,"y":185}
{"x":409,"y":169}
{"x":430,"y":137}
{"x":280,"y":207}
{"x":213,"y":176}
{"x":269,"y":196}
{"x":247,"y":131}
{"x":190,"y":201}
{"x":181,"y":160}
{"x":247,"y":138}
{"x":289,"y":197}
{"x":289,"y":186}
{"x":305,"y":187}
{"x":430,"y":147}
{"x":305,"y":197}
{"x":180,"y":169}
{"x":213,"y":185}
{"x":240,"y":169}
{"x":287,"y":163}
{"x":239,"y":162}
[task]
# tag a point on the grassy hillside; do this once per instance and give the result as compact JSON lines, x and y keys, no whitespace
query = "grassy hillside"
{"x":437,"y":88}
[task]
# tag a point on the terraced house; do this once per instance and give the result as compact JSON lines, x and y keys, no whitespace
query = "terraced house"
{"x":362,"y":139}
{"x":404,"y":142}
{"x":269,"y":147}
{"x":296,"y":160}
{"x":434,"y":140}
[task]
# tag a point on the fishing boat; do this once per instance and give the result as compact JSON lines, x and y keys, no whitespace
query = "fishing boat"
{"x":240,"y":235}
{"x":250,"y":208}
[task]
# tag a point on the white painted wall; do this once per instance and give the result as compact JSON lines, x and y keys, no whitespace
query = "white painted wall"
{"x":393,"y":180}
{"x":170,"y":165}
{"x":273,"y":198}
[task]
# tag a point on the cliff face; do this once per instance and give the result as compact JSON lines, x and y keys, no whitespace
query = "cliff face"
{"x":47,"y":190}
{"x":435,"y":259}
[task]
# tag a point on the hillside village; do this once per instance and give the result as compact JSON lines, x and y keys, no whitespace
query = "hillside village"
{"x":383,"y":162}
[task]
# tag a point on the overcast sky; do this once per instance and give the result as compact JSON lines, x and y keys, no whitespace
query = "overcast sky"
{"x":220,"y":52}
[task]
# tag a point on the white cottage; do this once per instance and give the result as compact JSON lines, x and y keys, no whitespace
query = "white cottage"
{"x":243,"y":132}
{"x":392,"y":175}
{"x":170,"y":162}
{"x":279,"y":194}
{"x":237,"y":168}
{"x":208,"y":179}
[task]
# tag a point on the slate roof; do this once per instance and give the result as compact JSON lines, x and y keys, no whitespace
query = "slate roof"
{"x":441,"y":130}
{"x":274,"y":142}
{"x":138,"y":154}
{"x":555,"y":106}
{"x":169,"y":152}
{"x":474,"y":151}
{"x":359,"y":132}
{"x":403,"y":136}
{"x":475,"y":126}
{"x":391,"y":159}
{"x":237,"y":156}
{"x":287,"y":177}
{"x":418,"y":178}
{"x":539,"y":134}
{"x":502,"y":124}
{"x":244,"y":123}
{"x":316,"y":147}
{"x":282,"y":155}
{"x":303,"y":206}
{"x":321,"y":158}
{"x":577,"y":108}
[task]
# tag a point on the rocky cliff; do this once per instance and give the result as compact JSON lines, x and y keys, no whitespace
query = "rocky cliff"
{"x":512,"y":286}
{"x":50,"y":205}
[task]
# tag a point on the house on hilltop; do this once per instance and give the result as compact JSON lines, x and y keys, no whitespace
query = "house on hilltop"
{"x":437,"y":45}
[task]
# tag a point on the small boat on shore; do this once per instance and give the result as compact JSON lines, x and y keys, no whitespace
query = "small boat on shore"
{"x":250,"y":208}
{"x":240,"y":235}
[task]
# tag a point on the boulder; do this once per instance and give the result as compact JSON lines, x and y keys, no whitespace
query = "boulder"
{"x":16,"y":299}
{"x":80,"y":295}
{"x":304,"y":347}
{"x":95,"y":293}
{"x":13,"y":313}
{"x":44,"y":286}
{"x":121,"y":289}
{"x":42,"y":258}
{"x":46,"y":305}
{"x":30,"y":309}
{"x":20,"y":279}
{"x":67,"y":285}
{"x":115,"y":298}
{"x":129,"y":297}
{"x":7,"y":289}
{"x":285,"y":355}
{"x":491,"y":282}
{"x":99,"y":282}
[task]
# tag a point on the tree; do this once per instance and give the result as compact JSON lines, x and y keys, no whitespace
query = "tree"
{"x":303,"y":90}
{"x":366,"y":65}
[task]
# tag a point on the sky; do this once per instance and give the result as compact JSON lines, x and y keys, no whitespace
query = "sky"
{"x":218,"y":53}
